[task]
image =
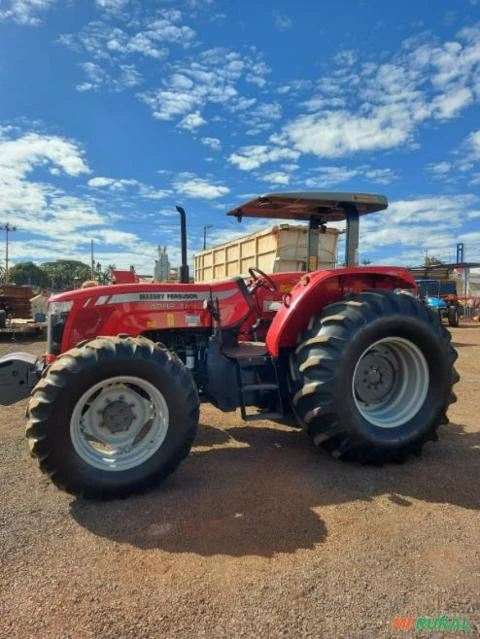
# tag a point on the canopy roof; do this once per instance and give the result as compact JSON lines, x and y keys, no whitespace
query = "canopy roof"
{"x":322,"y":206}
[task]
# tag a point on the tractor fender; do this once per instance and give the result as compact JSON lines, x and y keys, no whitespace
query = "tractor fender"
{"x":315,"y":290}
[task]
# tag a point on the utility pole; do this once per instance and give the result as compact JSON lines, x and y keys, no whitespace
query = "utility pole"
{"x":7,"y":228}
{"x":92,"y":260}
{"x":205,"y":228}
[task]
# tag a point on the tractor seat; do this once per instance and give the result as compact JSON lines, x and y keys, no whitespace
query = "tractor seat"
{"x":245,"y":350}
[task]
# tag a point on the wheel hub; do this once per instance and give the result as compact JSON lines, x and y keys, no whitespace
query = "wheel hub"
{"x":390,"y":382}
{"x":117,"y":417}
{"x":119,"y":422}
{"x":375,"y":377}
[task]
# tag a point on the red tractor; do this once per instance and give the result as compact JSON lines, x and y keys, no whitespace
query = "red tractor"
{"x":363,"y":367}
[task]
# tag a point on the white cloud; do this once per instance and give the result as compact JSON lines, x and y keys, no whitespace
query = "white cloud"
{"x":167,"y":29}
{"x":282,"y":21}
{"x":25,"y":11}
{"x":431,"y":209}
{"x":379,"y":176}
{"x":423,"y":81}
{"x":168,"y":213}
{"x":439,"y":170}
{"x":213,"y":143}
{"x":463,"y":161}
{"x":110,"y":46}
{"x":277,"y":178}
{"x":212,"y":77}
{"x":346,"y":58}
{"x":192,"y":121}
{"x":433,"y":223}
{"x":191,"y":186}
{"x":19,"y":156}
{"x":128,"y":77}
{"x":37,"y":206}
{"x":252,"y":157}
{"x":328,"y":176}
{"x":337,"y":133}
{"x":472,"y":143}
{"x":261,"y":117}
{"x":111,"y":4}
{"x":450,"y":104}
{"x":115,"y":237}
{"x":61,"y":224}
{"x":97,"y":77}
{"x":475,"y":179}
{"x":116,"y":185}
{"x":99,"y":182}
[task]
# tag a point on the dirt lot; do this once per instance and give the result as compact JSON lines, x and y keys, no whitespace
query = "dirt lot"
{"x":258,"y":534}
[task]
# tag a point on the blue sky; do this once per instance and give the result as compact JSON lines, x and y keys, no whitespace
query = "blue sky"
{"x":113,"y":111}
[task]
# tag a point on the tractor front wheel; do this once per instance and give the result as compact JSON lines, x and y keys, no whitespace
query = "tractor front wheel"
{"x":372,"y":377}
{"x":112,"y":417}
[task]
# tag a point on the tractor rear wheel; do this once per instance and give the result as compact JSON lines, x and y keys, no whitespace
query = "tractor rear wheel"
{"x":112,"y":417}
{"x":372,"y":377}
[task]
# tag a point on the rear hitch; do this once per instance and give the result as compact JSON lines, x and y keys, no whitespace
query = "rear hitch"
{"x":19,"y":372}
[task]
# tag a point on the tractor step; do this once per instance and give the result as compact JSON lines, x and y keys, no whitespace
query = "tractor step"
{"x":252,"y":356}
{"x":245,"y":351}
{"x":256,"y":417}
{"x":259,"y":387}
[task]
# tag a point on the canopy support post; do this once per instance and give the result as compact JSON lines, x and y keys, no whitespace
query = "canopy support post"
{"x":351,"y":241}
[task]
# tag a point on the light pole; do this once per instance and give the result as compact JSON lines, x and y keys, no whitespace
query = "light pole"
{"x":205,"y":228}
{"x":7,"y":228}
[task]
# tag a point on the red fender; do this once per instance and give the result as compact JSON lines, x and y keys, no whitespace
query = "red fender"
{"x":315,"y":290}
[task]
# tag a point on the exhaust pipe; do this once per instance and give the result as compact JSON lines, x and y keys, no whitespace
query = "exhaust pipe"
{"x":184,"y":274}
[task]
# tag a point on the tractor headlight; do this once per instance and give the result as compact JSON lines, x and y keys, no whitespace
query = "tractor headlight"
{"x":58,"y":308}
{"x":57,"y":318}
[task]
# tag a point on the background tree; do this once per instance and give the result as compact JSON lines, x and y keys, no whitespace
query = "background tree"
{"x":108,"y":273}
{"x":104,"y":276}
{"x":432,"y":260}
{"x":66,"y":274}
{"x":27,"y":273}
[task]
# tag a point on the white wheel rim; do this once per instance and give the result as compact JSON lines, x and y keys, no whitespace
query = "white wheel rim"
{"x":390,"y":382}
{"x":119,"y":423}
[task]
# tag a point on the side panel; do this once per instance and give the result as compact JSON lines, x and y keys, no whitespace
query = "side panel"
{"x":316,"y":290}
{"x":134,"y":309}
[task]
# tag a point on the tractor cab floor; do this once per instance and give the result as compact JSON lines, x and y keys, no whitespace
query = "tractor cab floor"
{"x":245,"y":350}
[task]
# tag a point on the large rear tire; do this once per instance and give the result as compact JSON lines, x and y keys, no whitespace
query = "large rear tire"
{"x":372,"y":377}
{"x":113,"y":417}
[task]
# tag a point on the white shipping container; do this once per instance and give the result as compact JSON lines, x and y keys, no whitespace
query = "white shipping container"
{"x":275,"y":249}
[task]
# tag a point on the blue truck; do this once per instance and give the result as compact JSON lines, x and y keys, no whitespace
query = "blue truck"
{"x":441,"y":296}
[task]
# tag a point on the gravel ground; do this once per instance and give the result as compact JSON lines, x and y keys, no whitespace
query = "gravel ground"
{"x":257,"y":534}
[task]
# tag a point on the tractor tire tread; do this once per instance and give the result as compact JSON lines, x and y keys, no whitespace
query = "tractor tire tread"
{"x":317,"y":351}
{"x":60,"y":374}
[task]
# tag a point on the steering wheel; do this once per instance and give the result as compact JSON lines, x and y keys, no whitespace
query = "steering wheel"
{"x":262,"y":279}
